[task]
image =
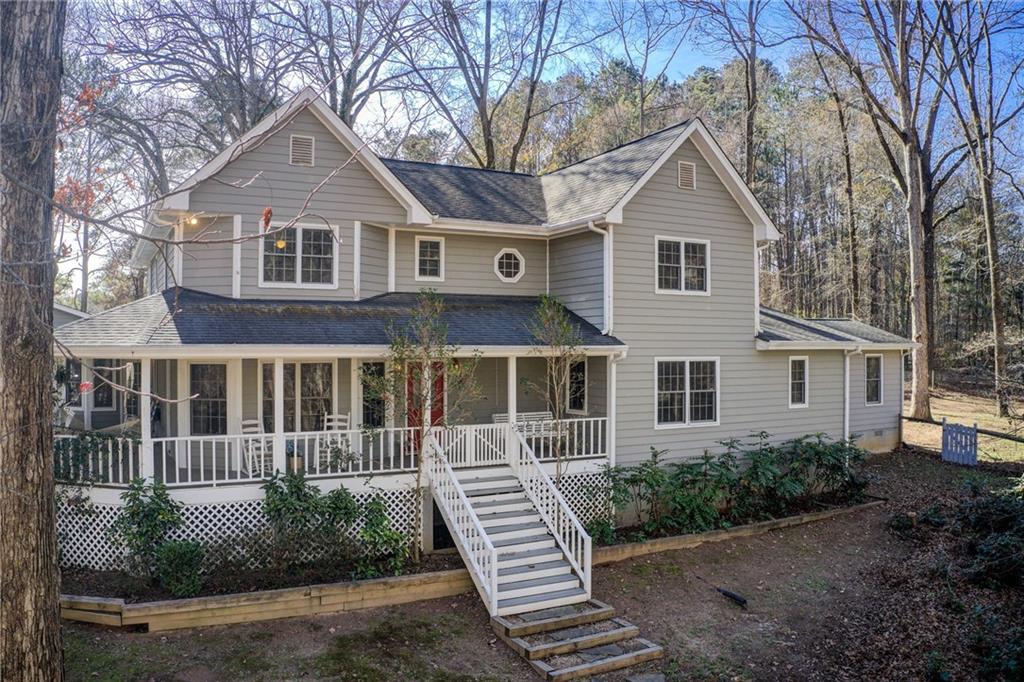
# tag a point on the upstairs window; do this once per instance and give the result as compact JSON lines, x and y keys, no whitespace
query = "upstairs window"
{"x":873,"y":379}
{"x":430,"y":259}
{"x":509,"y":265}
{"x":683,"y":266}
{"x":576,"y":389}
{"x":798,"y":381}
{"x":299,"y":257}
{"x":686,"y":392}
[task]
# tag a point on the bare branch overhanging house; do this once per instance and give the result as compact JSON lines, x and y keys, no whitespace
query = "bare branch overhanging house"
{"x":652,"y":246}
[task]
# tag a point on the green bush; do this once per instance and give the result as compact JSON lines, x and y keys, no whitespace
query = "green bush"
{"x":993,"y":523}
{"x":178,"y":566}
{"x":383,"y":550}
{"x":143,"y":523}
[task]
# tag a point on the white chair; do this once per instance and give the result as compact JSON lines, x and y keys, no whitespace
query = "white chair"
{"x":337,"y":422}
{"x":257,"y":450}
{"x":336,"y":441}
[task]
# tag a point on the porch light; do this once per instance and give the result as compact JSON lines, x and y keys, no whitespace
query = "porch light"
{"x":193,"y":221}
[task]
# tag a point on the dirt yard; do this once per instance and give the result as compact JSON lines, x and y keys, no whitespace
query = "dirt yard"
{"x":842,"y":599}
{"x":965,"y":408}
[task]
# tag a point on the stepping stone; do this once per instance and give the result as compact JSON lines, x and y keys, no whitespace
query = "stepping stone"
{"x":599,"y":652}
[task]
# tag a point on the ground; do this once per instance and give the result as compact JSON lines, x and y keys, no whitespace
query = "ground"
{"x":839,"y":599}
{"x":965,"y":408}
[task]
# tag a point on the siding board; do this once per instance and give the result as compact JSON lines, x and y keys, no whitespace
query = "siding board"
{"x":577,"y":275}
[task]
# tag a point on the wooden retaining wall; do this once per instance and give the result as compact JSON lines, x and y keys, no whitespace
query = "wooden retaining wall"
{"x":365,"y":594}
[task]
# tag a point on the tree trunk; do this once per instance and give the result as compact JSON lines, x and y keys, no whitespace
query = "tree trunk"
{"x":919,"y":395}
{"x":995,"y":293}
{"x":30,"y":50}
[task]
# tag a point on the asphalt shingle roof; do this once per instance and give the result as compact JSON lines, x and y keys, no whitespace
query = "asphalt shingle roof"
{"x":778,"y":326}
{"x":178,"y":317}
{"x":588,"y":187}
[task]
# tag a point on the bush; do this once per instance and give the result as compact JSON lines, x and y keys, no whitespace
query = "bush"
{"x":143,"y":523}
{"x":993,"y":523}
{"x":178,"y":566}
{"x":384,"y":550}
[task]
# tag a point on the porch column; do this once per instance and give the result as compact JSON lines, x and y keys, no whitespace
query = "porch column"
{"x":611,"y":411}
{"x":147,"y":467}
{"x":512,"y":389}
{"x":279,"y":454}
{"x":183,"y":408}
{"x":86,"y":396}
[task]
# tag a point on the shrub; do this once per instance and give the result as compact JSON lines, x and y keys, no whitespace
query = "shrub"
{"x":384,"y":550}
{"x":143,"y":523}
{"x":994,"y":525}
{"x":178,"y":565}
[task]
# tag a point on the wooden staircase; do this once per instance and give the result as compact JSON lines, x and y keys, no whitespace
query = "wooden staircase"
{"x":580,"y":640}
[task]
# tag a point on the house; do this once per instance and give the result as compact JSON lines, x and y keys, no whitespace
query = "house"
{"x":249,"y":341}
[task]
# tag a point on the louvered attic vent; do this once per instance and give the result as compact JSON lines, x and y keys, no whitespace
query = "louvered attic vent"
{"x":687,"y":175}
{"x":301,"y":153}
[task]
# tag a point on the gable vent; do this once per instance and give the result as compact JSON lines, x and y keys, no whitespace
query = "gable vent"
{"x":301,"y":153}
{"x":687,"y":175}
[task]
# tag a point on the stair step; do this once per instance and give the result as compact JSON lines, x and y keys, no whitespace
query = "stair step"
{"x":572,"y":639}
{"x":546,"y":600}
{"x":502,"y":504}
{"x":597,"y":660}
{"x":537,"y":585}
{"x":524,"y":542}
{"x":478,"y":481}
{"x":516,"y":530}
{"x":514,"y":516}
{"x":528,"y":556}
{"x":535,"y":570}
{"x":491,"y":491}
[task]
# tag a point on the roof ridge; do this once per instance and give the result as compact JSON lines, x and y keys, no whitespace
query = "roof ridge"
{"x":456,"y":165}
{"x":619,"y":146}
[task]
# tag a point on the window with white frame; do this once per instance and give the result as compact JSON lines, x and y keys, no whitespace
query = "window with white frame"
{"x":131,"y":398}
{"x":103,"y":390}
{"x":208,"y":386}
{"x":430,"y":259}
{"x":798,"y":374}
{"x":576,"y":388}
{"x":308,"y":395}
{"x":299,"y":256}
{"x":683,"y":266}
{"x":873,"y":379}
{"x":686,"y":391}
{"x":73,"y":383}
{"x":509,"y":265}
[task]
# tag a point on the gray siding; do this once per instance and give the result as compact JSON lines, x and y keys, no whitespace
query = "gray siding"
{"x":374,"y":266}
{"x":753,"y":387}
{"x":875,"y":424}
{"x":469,"y":264}
{"x":576,"y":274}
{"x":61,"y":317}
{"x":208,"y":266}
{"x":353,"y":194}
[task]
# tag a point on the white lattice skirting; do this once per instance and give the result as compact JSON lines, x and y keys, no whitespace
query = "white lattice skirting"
{"x":83,"y":529}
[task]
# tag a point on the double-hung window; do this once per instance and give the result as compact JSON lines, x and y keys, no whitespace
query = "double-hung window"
{"x":208,"y":386}
{"x":798,"y":373}
{"x":683,"y":266}
{"x":686,"y":391}
{"x":301,"y":256}
{"x":873,"y":379}
{"x":430,"y":259}
{"x":576,"y":388}
{"x":308,"y":395}
{"x":103,"y":390}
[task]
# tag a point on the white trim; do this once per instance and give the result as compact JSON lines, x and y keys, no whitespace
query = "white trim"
{"x":846,"y":393}
{"x":881,"y":379}
{"x":757,"y":289}
{"x":236,"y":257}
{"x":497,"y":271}
{"x":610,"y":279}
{"x":146,"y":463}
{"x":547,"y":266}
{"x":807,"y":381}
{"x":298,"y":283}
{"x":85,"y":397}
{"x":679,"y":173}
{"x":718,"y":392}
{"x":416,"y":258}
{"x":683,"y":241}
{"x":234,"y":394}
{"x":391,"y":259}
{"x":357,"y":238}
{"x":838,"y":345}
{"x":355,"y":393}
{"x":71,"y":311}
{"x":182,"y":408}
{"x":764,"y":228}
{"x":228,"y":350}
{"x":312,"y":150}
{"x":586,"y":388}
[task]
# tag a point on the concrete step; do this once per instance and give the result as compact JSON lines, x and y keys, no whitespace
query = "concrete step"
{"x":544,"y":585}
{"x":535,"y":570}
{"x":512,"y":557}
{"x":514,"y":605}
{"x":596,"y":660}
{"x":523,"y":543}
{"x":516,"y":530}
{"x":568,"y":640}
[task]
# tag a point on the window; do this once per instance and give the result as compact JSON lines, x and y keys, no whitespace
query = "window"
{"x":683,"y":266}
{"x":303,"y":408}
{"x":72,"y":383}
{"x":798,"y":381}
{"x":576,"y":398}
{"x":509,"y":265}
{"x":209,"y":404}
{"x":430,"y":259}
{"x":373,"y":404}
{"x":873,"y":379}
{"x":103,"y":391}
{"x":298,"y":256}
{"x":686,"y":391}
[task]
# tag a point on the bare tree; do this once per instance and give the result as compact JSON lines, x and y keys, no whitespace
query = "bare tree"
{"x":30,"y":51}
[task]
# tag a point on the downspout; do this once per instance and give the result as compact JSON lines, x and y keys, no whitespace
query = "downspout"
{"x":846,"y":390}
{"x":606,"y":326}
{"x":613,"y":390}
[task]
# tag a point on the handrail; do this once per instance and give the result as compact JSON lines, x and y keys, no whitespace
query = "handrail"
{"x":557,"y":514}
{"x":476,"y":548}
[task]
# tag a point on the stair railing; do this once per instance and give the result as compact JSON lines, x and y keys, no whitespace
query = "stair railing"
{"x":553,"y":509}
{"x":475,"y":547}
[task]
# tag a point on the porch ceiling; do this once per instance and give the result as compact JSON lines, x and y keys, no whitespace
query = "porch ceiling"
{"x":182,"y":317}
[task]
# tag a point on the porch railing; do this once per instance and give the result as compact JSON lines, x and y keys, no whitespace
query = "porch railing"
{"x":475,"y":547}
{"x":474,"y":445}
{"x":554,"y":510}
{"x":353,"y":452}
{"x":210,"y":460}
{"x":96,"y":458}
{"x":566,"y":438}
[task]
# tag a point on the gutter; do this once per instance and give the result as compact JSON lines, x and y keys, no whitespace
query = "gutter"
{"x":613,"y":400}
{"x":846,"y":390}
{"x":606,"y":266}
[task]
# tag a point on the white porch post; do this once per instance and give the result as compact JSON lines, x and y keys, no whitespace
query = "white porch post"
{"x":355,"y":409}
{"x":279,"y":454}
{"x":86,"y":396}
{"x":182,"y":408}
{"x":512,"y":389}
{"x":611,"y":411}
{"x":147,"y":466}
